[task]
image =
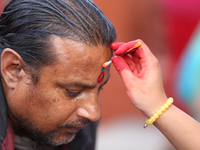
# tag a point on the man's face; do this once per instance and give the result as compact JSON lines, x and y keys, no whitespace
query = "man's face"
{"x":66,"y":95}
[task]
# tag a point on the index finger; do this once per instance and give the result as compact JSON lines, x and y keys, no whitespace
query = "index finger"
{"x":128,"y":47}
{"x":142,"y":51}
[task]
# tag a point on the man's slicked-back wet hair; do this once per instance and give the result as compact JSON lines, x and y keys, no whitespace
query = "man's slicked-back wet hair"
{"x":27,"y":25}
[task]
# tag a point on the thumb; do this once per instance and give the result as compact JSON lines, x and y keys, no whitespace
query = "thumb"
{"x":123,"y":70}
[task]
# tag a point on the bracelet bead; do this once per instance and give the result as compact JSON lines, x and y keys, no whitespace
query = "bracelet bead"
{"x":153,"y":119}
{"x":162,"y":108}
{"x":166,"y":106}
{"x":159,"y":112}
{"x":155,"y":116}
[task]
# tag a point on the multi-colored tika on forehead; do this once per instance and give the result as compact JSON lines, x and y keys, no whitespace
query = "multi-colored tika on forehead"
{"x":104,"y":65}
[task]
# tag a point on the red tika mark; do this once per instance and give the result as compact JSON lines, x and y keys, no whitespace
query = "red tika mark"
{"x":101,"y":76}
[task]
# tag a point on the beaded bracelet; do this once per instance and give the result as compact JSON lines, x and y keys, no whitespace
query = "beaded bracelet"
{"x":159,"y":112}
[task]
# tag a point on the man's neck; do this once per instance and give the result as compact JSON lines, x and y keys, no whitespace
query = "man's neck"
{"x":25,"y":143}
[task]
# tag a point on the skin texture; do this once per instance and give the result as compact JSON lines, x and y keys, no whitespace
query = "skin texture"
{"x":65,"y":97}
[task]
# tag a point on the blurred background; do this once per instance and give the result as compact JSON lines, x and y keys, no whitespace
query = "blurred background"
{"x":171,"y":29}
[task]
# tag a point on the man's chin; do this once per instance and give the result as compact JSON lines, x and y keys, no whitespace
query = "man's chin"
{"x":58,"y":139}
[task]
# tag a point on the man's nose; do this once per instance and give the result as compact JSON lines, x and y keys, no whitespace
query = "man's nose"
{"x":89,"y":108}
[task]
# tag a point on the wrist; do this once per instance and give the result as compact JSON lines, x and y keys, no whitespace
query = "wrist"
{"x":154,"y":105}
{"x":159,"y":112}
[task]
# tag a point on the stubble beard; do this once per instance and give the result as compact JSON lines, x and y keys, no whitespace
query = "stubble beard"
{"x":53,"y":138}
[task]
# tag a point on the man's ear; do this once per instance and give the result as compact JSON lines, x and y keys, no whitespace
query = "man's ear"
{"x":11,"y":66}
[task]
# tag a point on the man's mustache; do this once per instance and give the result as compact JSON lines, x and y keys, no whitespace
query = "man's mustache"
{"x":78,"y":123}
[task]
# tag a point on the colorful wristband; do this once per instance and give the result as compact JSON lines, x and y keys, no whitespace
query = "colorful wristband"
{"x":159,"y":112}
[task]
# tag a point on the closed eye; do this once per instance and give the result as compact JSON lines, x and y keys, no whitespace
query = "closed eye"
{"x":72,"y":93}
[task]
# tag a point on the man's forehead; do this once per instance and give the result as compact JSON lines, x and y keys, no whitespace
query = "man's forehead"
{"x":76,"y":50}
{"x":78,"y":60}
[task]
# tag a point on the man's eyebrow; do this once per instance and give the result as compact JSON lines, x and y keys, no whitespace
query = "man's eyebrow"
{"x":78,"y":84}
{"x":82,"y":85}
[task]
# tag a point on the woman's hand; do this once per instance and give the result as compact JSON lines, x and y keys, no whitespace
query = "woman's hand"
{"x":141,"y":75}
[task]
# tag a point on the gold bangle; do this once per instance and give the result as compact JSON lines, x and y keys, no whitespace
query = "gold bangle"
{"x":159,"y":112}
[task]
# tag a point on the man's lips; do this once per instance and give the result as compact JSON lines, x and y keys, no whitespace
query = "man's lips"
{"x":74,"y":129}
